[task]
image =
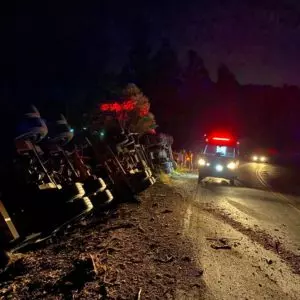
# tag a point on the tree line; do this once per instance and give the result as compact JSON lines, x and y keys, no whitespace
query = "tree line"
{"x":185,"y":100}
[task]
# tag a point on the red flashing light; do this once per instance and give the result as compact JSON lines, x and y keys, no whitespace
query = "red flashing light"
{"x":104,"y":107}
{"x":221,"y":139}
{"x":116,"y":107}
{"x":128,"y":105}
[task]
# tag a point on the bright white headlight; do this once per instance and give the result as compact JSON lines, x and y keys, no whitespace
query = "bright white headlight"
{"x":201,"y":162}
{"x":231,"y":165}
{"x":263,"y":158}
{"x":255,"y":158}
{"x":219,"y":168}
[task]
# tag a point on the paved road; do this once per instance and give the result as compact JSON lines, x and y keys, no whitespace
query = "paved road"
{"x":266,"y":197}
{"x":259,"y":221}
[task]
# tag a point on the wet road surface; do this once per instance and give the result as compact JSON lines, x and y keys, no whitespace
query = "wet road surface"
{"x":246,"y":237}
{"x":261,"y":200}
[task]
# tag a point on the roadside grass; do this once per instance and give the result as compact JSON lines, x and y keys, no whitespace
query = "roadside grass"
{"x":180,"y":170}
{"x":164,"y":178}
{"x":167,"y":178}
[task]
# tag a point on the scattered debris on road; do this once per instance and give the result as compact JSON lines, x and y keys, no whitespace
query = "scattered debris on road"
{"x":219,"y":243}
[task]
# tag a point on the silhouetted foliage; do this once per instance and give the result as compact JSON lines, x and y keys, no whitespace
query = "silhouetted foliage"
{"x":72,"y":77}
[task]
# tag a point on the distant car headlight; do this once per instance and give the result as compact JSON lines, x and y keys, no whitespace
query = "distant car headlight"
{"x":255,"y":158}
{"x":232,"y":165}
{"x":219,"y":168}
{"x":201,"y":162}
{"x":263,"y":159}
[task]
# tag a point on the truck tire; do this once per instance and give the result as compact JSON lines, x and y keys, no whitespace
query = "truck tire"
{"x":94,"y":186}
{"x":73,"y":191}
{"x":101,"y":199}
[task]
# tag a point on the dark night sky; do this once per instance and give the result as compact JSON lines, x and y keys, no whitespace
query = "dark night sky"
{"x":258,"y":40}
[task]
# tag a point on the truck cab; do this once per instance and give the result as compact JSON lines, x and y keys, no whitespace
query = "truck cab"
{"x":219,"y":158}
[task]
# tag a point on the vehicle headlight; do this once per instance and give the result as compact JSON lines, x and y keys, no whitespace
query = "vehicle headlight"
{"x":201,"y":162}
{"x":263,"y":158}
{"x":255,"y":158}
{"x":219,"y":168}
{"x":232,"y":165}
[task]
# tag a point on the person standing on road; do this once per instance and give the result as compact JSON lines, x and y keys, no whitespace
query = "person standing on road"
{"x":183,"y":158}
{"x":191,"y":156}
{"x":184,"y":154}
{"x":189,"y":160}
{"x":180,"y":158}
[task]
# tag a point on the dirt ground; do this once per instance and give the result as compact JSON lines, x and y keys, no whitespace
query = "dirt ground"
{"x":138,"y":252}
{"x":176,"y":244}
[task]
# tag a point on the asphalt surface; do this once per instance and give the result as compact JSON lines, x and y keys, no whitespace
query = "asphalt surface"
{"x":247,"y":236}
{"x":266,"y":197}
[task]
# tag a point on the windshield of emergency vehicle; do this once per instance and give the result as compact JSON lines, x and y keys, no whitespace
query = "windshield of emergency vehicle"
{"x":221,"y":151}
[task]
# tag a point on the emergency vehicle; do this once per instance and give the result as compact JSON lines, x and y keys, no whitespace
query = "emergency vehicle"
{"x":259,"y":156}
{"x":219,"y":158}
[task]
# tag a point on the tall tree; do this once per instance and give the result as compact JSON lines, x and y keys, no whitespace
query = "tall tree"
{"x":139,"y":119}
{"x":139,"y":63}
{"x":226,"y":111}
{"x":195,"y":72}
{"x":165,"y":85}
{"x":197,"y":94}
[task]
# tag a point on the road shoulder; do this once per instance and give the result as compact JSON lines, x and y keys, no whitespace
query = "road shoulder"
{"x":136,"y":252}
{"x":236,"y":266}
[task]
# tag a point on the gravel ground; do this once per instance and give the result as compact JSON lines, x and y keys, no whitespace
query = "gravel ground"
{"x":137,"y":253}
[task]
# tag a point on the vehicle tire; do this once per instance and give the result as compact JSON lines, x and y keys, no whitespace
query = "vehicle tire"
{"x":102,"y":199}
{"x":73,"y":192}
{"x":142,"y":185}
{"x":78,"y":207}
{"x":141,"y":175}
{"x":71,"y":212}
{"x":92,"y":185}
{"x":152,"y":179}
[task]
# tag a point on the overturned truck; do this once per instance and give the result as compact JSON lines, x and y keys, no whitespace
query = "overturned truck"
{"x":54,"y":176}
{"x":159,"y":149}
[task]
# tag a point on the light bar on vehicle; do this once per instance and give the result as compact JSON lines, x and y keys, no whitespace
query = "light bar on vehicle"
{"x":220,"y":139}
